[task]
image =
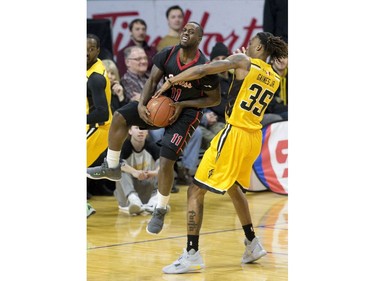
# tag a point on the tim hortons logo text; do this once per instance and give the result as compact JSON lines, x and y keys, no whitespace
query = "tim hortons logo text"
{"x":121,"y":20}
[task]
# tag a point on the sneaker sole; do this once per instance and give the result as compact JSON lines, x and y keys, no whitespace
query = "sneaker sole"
{"x":150,"y":210}
{"x":101,"y":178}
{"x":153,"y":233}
{"x":195,"y":268}
{"x":261,"y":254}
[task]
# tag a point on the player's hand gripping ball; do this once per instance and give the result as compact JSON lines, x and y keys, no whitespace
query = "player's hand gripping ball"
{"x":160,"y":110}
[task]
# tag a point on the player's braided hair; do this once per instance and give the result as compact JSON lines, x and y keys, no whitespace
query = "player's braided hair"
{"x":274,"y":46}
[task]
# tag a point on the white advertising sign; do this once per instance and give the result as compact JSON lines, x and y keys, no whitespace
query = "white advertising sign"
{"x":232,"y":22}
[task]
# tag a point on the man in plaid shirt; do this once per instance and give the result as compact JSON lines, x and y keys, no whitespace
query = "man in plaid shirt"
{"x":137,"y":74}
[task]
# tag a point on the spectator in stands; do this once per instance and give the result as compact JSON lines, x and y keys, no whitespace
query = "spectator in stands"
{"x":275,"y":18}
{"x":137,"y":74}
{"x":214,"y":117}
{"x":138,"y":31}
{"x":137,"y":190}
{"x":175,"y":18}
{"x":118,"y":95}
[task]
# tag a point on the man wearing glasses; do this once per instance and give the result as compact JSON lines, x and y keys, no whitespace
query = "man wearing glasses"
{"x":137,"y":74}
{"x":138,"y":36}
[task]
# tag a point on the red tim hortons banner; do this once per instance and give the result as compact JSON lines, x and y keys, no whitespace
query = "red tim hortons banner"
{"x":270,"y":170}
{"x":232,"y":24}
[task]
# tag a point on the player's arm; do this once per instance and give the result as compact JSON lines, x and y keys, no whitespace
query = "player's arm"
{"x":151,"y":85}
{"x":148,"y":90}
{"x":215,"y":67}
{"x":97,"y":83}
{"x":201,"y":70}
{"x":232,"y":62}
{"x":212,"y":98}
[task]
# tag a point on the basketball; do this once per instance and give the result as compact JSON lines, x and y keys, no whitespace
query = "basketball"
{"x":160,"y":110}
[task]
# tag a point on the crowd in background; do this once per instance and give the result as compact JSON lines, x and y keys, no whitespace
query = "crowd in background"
{"x":128,"y":74}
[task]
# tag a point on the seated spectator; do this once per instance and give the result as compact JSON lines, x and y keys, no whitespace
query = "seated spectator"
{"x":138,"y":36}
{"x":137,"y":74}
{"x":136,"y":192}
{"x":118,"y":96}
{"x":175,"y":18}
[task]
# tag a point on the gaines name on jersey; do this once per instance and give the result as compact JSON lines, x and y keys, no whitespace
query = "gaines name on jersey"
{"x":266,"y":80}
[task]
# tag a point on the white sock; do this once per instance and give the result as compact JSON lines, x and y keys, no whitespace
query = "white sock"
{"x":113,"y":158}
{"x":162,"y":201}
{"x":153,"y":201}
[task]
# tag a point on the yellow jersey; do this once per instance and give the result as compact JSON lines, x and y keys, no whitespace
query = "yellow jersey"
{"x":254,"y":94}
{"x":98,"y":68}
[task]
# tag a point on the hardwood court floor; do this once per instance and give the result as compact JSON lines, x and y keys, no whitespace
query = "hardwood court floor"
{"x":119,"y":248}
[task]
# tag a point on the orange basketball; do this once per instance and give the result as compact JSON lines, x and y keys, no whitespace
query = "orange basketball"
{"x":160,"y":110}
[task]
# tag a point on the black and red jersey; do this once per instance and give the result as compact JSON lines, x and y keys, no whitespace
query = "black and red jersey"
{"x":168,"y":61}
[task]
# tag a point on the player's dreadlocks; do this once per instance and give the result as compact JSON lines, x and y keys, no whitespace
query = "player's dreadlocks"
{"x":274,"y":46}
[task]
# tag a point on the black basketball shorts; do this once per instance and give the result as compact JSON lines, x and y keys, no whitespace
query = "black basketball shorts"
{"x":176,"y":136}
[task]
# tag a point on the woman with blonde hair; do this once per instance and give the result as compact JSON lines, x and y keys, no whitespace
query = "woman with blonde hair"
{"x":118,"y":97}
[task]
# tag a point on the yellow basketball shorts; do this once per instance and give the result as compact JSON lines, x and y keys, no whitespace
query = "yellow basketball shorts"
{"x":96,"y":142}
{"x":229,"y":159}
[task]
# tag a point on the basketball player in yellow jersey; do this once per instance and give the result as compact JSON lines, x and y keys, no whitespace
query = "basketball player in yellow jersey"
{"x":226,"y":165}
{"x":98,"y":102}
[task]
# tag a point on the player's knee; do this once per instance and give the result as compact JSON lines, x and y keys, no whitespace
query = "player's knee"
{"x":195,"y":192}
{"x":166,"y":163}
{"x":118,"y":119}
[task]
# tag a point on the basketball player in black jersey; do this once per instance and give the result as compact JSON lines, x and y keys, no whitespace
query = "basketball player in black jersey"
{"x":189,"y":97}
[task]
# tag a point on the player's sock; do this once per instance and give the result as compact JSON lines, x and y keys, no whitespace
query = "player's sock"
{"x":249,"y":231}
{"x":162,"y":201}
{"x":192,"y":242}
{"x":113,"y":158}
